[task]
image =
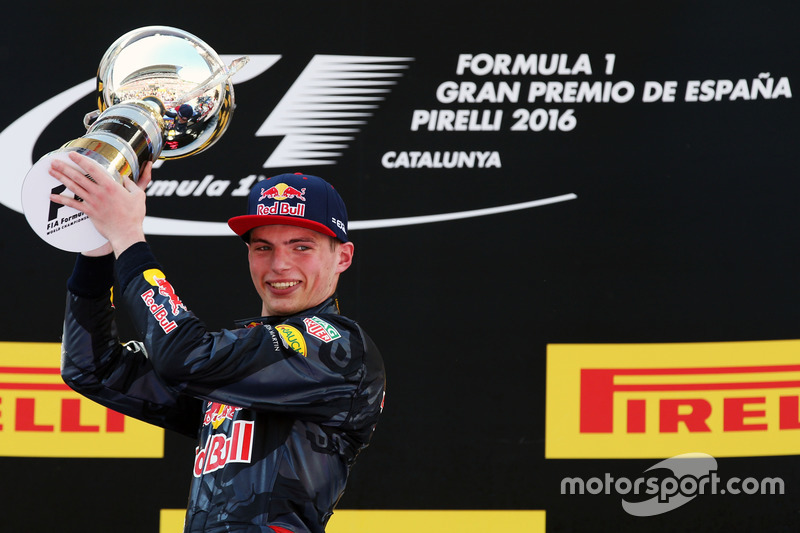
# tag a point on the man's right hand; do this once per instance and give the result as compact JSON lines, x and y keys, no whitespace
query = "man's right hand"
{"x":116,"y":210}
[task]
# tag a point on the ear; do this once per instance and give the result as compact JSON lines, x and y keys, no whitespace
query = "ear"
{"x":345,"y":252}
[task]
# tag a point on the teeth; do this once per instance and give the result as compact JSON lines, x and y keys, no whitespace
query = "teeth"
{"x":284,"y":284}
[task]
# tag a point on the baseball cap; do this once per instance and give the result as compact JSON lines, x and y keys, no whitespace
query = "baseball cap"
{"x":186,"y":111}
{"x":296,"y":200}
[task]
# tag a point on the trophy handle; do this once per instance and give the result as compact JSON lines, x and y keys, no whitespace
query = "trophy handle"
{"x":218,"y":77}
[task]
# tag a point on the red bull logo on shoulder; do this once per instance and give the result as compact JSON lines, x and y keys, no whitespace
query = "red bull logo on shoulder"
{"x":165,"y":288}
{"x":156,"y":278}
{"x":282,"y":191}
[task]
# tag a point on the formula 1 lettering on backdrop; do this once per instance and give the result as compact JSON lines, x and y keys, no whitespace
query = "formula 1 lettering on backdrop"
{"x":523,"y":64}
{"x":469,"y":92}
{"x":208,"y":186}
{"x":575,"y":92}
{"x":457,"y":119}
{"x":764,"y":87}
{"x":414,"y":159}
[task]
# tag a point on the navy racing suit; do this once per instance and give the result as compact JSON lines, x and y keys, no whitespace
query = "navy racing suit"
{"x":281,"y":405}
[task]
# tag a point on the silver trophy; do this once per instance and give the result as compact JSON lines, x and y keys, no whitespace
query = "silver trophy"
{"x":162,"y":93}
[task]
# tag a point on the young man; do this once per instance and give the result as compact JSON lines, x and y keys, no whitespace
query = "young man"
{"x":283,"y":404}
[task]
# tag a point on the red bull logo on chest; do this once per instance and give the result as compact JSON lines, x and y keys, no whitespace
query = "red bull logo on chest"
{"x":221,"y":449}
{"x":217,"y":413}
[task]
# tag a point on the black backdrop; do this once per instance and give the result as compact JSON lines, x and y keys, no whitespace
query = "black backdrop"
{"x":682,"y":230}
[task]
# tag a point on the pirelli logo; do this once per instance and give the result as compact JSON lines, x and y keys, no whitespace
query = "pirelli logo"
{"x":661,"y":400}
{"x":40,"y":416}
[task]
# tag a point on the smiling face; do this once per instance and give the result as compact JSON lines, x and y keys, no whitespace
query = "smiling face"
{"x":294,"y":268}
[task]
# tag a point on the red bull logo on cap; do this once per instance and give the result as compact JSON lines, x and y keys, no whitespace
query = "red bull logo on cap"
{"x":279,"y":193}
{"x":280,"y":208}
{"x":282,"y":191}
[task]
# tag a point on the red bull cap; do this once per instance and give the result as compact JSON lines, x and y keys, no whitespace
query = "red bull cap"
{"x":297,"y":200}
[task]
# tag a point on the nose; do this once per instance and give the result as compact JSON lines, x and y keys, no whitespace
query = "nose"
{"x":280,"y":260}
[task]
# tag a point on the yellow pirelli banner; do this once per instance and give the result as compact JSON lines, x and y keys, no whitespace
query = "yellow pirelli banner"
{"x":40,"y":416}
{"x":660,"y":400}
{"x":392,"y":521}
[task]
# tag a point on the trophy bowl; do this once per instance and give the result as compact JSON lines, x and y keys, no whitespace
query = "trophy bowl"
{"x":162,"y":93}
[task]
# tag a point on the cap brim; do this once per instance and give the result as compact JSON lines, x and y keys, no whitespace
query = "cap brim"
{"x":242,"y":224}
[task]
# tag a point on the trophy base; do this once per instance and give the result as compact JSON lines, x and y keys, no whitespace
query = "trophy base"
{"x":58,"y":225}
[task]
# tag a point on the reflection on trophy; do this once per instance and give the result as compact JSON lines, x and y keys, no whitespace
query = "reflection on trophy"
{"x":161,"y":93}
